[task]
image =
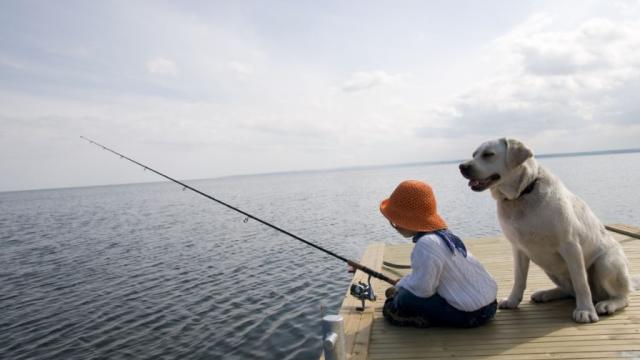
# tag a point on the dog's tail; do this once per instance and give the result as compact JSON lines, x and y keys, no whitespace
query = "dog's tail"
{"x":635,"y":282}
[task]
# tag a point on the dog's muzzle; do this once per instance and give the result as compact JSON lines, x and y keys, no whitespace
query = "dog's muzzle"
{"x":465,"y":169}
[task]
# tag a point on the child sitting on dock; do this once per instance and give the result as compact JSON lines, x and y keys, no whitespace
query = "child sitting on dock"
{"x":447,"y":285}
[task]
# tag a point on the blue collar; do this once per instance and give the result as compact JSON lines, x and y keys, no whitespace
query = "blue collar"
{"x":450,"y":239}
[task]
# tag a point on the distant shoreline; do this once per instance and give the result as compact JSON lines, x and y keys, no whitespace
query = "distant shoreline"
{"x":436,"y":162}
{"x":350,"y":168}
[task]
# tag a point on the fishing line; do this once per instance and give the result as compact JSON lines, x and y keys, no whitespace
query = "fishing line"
{"x":358,"y":290}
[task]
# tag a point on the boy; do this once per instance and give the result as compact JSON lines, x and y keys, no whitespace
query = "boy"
{"x":447,"y":285}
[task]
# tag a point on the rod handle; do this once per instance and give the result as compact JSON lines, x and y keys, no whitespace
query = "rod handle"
{"x":371,"y":272}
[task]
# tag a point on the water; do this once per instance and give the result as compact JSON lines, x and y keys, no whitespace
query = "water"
{"x":152,"y":272}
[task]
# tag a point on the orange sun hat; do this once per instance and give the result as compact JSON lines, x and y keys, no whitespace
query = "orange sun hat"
{"x":412,"y":206}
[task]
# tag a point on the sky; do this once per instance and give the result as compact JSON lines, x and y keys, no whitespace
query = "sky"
{"x":202,"y":89}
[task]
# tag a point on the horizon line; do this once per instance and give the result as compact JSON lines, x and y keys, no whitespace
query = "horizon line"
{"x":347,"y":168}
{"x":430,"y":162}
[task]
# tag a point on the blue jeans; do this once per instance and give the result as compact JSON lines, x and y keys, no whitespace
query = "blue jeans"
{"x":435,"y":310}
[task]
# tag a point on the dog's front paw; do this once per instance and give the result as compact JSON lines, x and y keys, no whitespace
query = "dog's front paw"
{"x":509,"y":303}
{"x":585,"y":315}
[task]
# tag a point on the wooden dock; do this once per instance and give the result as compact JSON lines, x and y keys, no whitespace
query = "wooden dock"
{"x":534,"y":331}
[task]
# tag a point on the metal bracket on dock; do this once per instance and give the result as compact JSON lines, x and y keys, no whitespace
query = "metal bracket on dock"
{"x":333,"y":338}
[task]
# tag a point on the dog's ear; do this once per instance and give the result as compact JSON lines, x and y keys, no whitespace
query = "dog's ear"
{"x":517,"y":152}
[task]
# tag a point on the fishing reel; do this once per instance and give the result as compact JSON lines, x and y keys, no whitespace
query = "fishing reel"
{"x":362,"y":291}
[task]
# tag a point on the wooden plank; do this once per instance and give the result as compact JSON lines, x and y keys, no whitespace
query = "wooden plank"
{"x":623,"y":229}
{"x":442,"y":353}
{"x":361,"y":342}
{"x":530,"y":347}
{"x":395,"y":342}
{"x":357,"y":324}
{"x":510,"y":333}
{"x":547,"y":356}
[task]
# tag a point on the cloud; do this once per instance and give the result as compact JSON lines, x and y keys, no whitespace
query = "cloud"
{"x":240,"y":68}
{"x":596,"y":45}
{"x":4,"y":61}
{"x":552,"y":79}
{"x":366,"y":80}
{"x":162,"y":66}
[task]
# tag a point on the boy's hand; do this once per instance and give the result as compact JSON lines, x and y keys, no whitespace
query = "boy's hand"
{"x":390,"y":292}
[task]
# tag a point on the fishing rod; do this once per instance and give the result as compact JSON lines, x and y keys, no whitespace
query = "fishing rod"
{"x":361,"y":290}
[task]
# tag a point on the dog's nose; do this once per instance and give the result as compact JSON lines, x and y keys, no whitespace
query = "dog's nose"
{"x":464,"y":169}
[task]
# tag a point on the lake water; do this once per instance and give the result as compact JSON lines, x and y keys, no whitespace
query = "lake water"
{"x":151,"y":272}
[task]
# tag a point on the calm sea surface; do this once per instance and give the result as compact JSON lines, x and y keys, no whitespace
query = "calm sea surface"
{"x":152,"y":272}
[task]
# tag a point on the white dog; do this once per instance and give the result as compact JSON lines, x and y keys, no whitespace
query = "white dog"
{"x":551,"y":226}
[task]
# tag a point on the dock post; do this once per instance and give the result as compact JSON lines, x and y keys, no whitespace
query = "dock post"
{"x":333,"y":338}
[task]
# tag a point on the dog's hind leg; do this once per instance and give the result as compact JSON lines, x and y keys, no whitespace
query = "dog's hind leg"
{"x":550,"y":295}
{"x":563,"y":289}
{"x":635,"y":281}
{"x":610,"y":306}
{"x":610,"y":281}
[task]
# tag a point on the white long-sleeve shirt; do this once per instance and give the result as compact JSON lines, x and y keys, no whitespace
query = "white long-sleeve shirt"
{"x":462,"y":282}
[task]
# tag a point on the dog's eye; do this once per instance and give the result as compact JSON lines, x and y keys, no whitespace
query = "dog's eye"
{"x":487,"y":155}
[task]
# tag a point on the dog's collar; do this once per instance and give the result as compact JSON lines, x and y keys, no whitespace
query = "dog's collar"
{"x":528,"y":189}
